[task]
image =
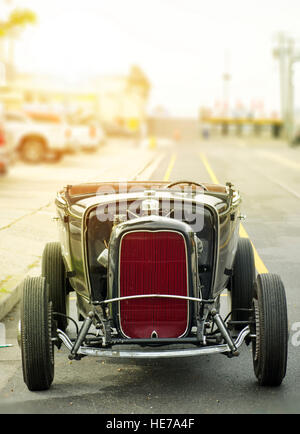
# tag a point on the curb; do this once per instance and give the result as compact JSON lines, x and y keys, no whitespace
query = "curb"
{"x":11,"y":290}
{"x":10,"y":295}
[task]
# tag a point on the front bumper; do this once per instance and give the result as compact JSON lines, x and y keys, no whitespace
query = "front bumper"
{"x":151,"y":353}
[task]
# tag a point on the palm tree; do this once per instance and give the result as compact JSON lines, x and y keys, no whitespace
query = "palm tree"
{"x":18,"y":19}
{"x":9,"y":30}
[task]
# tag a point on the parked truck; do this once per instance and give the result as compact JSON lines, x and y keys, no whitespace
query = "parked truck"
{"x":36,"y":137}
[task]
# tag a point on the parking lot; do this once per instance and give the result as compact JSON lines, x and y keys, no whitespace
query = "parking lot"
{"x":266,"y":172}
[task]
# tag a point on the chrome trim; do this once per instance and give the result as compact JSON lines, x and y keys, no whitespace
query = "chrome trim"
{"x":60,"y":199}
{"x":84,"y":253}
{"x":187,"y":274}
{"x":153,"y":354}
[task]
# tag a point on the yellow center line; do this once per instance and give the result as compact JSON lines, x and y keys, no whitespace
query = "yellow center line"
{"x":170,"y":167}
{"x":213,"y":177}
{"x":259,"y":264}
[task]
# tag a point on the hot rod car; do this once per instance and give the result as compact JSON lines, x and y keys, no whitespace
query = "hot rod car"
{"x":148,"y":262}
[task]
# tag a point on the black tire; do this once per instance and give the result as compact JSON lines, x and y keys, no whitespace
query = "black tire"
{"x":53,"y":269}
{"x":270,"y":347}
{"x":242,"y":282}
{"x":33,"y":150}
{"x":3,"y":170}
{"x":36,"y":332}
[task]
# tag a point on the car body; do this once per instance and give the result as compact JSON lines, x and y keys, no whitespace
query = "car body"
{"x":4,"y":152}
{"x":35,"y":136}
{"x":148,"y":262}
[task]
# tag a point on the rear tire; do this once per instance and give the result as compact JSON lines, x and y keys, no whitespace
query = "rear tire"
{"x":53,"y":269}
{"x":242,"y":283}
{"x":32,"y":150}
{"x":270,"y":347}
{"x":36,"y":332}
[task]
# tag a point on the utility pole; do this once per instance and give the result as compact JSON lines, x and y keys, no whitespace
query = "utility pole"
{"x":287,"y":55}
{"x":226,"y":79}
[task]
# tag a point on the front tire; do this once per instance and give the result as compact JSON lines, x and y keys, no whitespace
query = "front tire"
{"x":53,"y":269}
{"x":32,"y":150}
{"x":270,"y":347}
{"x":242,"y":283}
{"x":36,"y":332}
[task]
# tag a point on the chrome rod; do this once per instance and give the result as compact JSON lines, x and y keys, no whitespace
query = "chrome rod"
{"x":82,"y":333}
{"x":224,"y":332}
{"x":65,"y":339}
{"x":131,"y":297}
{"x":241,"y":337}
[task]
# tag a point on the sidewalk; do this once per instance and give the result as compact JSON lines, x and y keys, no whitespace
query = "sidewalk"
{"x":27,"y":207}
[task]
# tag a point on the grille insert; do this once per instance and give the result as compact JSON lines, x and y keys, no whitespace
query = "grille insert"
{"x":153,"y":263}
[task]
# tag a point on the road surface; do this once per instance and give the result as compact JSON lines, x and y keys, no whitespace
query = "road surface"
{"x":268,"y":176}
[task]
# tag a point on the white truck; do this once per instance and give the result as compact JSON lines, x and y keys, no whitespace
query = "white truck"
{"x":87,"y":133}
{"x":37,"y":137}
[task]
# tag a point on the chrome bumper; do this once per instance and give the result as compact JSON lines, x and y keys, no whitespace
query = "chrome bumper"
{"x":154,"y":354}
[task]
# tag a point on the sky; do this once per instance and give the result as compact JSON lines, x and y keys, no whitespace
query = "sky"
{"x":183,"y":46}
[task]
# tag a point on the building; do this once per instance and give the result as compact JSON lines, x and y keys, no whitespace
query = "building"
{"x":116,"y":99}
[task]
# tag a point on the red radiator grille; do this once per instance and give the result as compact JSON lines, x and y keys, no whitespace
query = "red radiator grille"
{"x":153,"y":263}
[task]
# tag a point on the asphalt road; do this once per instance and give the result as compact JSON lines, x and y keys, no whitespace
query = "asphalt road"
{"x":268,"y":175}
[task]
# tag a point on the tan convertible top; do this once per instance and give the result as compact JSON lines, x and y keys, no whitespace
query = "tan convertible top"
{"x":92,"y":188}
